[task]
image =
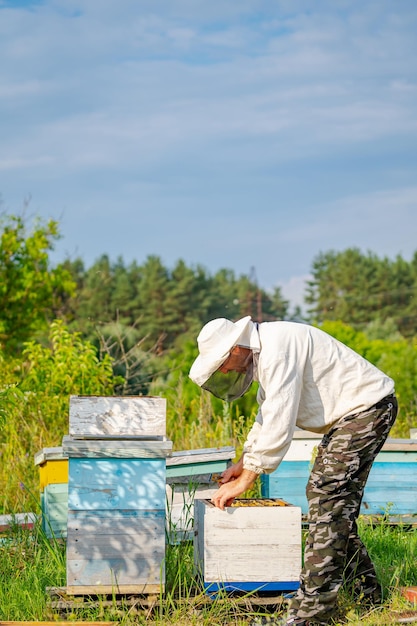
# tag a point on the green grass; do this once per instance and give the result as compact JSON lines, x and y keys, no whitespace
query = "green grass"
{"x":30,"y":563}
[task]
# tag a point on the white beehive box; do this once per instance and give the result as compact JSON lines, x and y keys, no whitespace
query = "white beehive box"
{"x":253,"y":544}
{"x":111,"y":417}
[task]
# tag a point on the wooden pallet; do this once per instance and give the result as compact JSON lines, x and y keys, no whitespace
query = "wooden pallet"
{"x":61,"y":601}
{"x":103,"y":590}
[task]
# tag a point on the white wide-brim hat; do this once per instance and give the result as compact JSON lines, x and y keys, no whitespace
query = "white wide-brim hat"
{"x":215,"y":341}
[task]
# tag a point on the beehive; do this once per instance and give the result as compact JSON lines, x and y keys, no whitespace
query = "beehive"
{"x":53,"y":484}
{"x":116,"y":495}
{"x":391,"y":486}
{"x":255,"y":544}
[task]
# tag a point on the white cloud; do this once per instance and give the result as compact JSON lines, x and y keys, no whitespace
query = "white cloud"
{"x":276,"y":129}
{"x":294,"y":289}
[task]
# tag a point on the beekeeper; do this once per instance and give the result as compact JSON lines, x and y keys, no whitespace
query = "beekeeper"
{"x":307,"y":379}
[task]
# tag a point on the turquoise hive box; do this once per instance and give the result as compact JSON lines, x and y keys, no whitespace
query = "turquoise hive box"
{"x":191,"y":475}
{"x":391,"y":487}
{"x":53,"y":483}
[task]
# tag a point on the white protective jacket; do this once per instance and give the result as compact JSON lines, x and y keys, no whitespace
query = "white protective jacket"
{"x":306,"y":379}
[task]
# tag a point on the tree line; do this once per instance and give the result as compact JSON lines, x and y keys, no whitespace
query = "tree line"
{"x":160,"y":305}
{"x":360,"y":289}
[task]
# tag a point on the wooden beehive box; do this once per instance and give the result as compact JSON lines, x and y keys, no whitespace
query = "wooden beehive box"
{"x":112,"y":416}
{"x":54,"y":506}
{"x":391,"y":486}
{"x":53,"y":483}
{"x":253,"y":544}
{"x":192,"y":474}
{"x":116,"y":515}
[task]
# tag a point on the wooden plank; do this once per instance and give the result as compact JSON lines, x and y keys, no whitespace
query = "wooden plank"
{"x":304,"y":443}
{"x":60,"y":600}
{"x":397,"y":456}
{"x":392,"y":443}
{"x":25,"y":520}
{"x":106,"y":522}
{"x":191,"y":481}
{"x":107,"y":416}
{"x":106,"y":572}
{"x":90,"y":590}
{"x":400,"y":445}
{"x":134,"y":553}
{"x":192,"y":473}
{"x":125,"y":544}
{"x":116,"y":484}
{"x":151,"y":600}
{"x":110,"y":448}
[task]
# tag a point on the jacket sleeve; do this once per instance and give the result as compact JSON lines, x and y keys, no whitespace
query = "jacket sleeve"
{"x":256,"y":427}
{"x":280,"y":379}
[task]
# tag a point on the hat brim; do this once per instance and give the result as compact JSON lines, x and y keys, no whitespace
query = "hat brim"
{"x":204,"y":366}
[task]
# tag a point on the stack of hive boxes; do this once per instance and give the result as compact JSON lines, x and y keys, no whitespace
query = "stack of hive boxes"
{"x":116,"y":451}
{"x":53,"y":482}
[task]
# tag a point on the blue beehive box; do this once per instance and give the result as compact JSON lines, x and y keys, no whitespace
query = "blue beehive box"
{"x":116,"y":515}
{"x":391,"y":486}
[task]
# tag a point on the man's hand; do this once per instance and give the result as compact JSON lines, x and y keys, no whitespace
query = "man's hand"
{"x":232,"y":472}
{"x":225,"y":495}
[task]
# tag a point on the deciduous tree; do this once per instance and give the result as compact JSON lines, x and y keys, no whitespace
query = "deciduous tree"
{"x":31,"y":291}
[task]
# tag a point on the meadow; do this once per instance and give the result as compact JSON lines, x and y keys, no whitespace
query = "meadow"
{"x":32,"y":565}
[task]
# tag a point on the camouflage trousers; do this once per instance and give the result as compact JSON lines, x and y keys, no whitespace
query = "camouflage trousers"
{"x":334,"y":553}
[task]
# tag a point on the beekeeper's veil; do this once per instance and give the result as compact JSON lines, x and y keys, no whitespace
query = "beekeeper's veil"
{"x":215,"y":341}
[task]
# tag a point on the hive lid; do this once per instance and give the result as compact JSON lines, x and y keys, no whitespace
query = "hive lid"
{"x":201,"y":455}
{"x":117,"y":416}
{"x":49,"y":454}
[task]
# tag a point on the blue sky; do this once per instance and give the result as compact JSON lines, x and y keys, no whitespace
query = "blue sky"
{"x":249,"y":134}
